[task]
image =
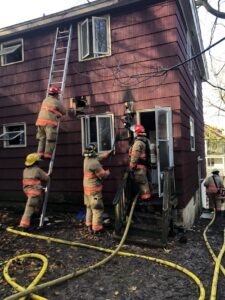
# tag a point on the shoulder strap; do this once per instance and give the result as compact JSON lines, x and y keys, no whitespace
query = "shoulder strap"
{"x":215,"y":182}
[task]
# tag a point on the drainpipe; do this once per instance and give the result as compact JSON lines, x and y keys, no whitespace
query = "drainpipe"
{"x":200,"y":180}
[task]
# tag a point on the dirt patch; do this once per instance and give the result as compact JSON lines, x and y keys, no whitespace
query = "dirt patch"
{"x":122,"y":278}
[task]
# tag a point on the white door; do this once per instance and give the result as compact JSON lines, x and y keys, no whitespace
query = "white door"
{"x":164,"y":142}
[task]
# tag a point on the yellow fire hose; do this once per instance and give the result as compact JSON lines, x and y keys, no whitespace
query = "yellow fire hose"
{"x":216,"y":259}
{"x":34,"y":282}
{"x":30,"y":290}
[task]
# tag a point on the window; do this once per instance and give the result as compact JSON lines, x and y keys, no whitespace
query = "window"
{"x":192,"y":134}
{"x":196,"y":94}
{"x":14,"y":135}
{"x":189,"y":53}
{"x":94,"y":38}
{"x":99,"y":131}
{"x":11,"y":52}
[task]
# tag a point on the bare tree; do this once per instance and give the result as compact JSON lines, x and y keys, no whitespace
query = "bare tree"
{"x":216,"y":12}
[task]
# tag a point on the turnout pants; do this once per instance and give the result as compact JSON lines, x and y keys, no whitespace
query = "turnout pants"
{"x":214,"y":201}
{"x":33,"y":205}
{"x":47,"y":139}
{"x":94,"y":210}
{"x":141,"y":180}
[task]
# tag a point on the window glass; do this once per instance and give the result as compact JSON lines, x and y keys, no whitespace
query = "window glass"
{"x":94,"y":38}
{"x":100,"y":35}
{"x":12,"y":52}
{"x":85,"y":39}
{"x":99,"y":131}
{"x":162,"y":116}
{"x":104,"y":126}
{"x":14,"y":135}
{"x":192,"y":134}
{"x":93,"y":130}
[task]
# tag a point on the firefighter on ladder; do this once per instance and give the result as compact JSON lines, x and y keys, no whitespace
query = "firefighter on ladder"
{"x":33,"y":176}
{"x":139,"y":162}
{"x":92,"y":184}
{"x":51,"y":111}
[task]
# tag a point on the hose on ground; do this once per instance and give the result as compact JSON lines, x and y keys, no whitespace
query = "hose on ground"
{"x":113,"y":253}
{"x":216,"y":259}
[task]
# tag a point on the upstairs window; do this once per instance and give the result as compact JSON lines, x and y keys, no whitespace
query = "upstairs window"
{"x":14,"y":135}
{"x":196,"y":94}
{"x":11,"y":52}
{"x":99,"y":131}
{"x":189,"y":53}
{"x":192,"y":134}
{"x":94,"y":38}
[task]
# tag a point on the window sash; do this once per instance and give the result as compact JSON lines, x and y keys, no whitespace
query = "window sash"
{"x":8,"y":50}
{"x":101,"y":138}
{"x":8,"y":141}
{"x":192,"y":134}
{"x":100,"y":35}
{"x":84,"y":39}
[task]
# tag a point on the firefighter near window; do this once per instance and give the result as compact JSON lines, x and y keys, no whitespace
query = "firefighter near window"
{"x":50,"y":113}
{"x":139,"y":155}
{"x":33,"y":177}
{"x":94,"y":174}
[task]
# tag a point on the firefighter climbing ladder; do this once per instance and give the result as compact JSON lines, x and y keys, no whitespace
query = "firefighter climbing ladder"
{"x":57,"y":76}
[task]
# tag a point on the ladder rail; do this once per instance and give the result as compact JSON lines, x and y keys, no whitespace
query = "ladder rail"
{"x":62,"y":87}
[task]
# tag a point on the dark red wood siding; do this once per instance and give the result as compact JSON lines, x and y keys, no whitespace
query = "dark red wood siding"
{"x":144,"y":38}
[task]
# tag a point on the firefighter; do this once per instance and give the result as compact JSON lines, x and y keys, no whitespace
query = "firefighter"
{"x":33,"y":176}
{"x":139,"y":162}
{"x":51,"y":111}
{"x":92,"y":184}
{"x":213,"y":185}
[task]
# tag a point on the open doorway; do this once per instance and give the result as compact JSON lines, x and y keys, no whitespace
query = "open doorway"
{"x":158,"y":126}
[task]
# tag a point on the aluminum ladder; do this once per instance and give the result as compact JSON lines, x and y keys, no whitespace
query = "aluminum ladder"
{"x":57,"y":76}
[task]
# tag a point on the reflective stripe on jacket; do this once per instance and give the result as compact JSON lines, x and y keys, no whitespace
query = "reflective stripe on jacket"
{"x":93,"y":175}
{"x":137,"y":154}
{"x":210,"y":184}
{"x":32,"y":178}
{"x":51,"y":111}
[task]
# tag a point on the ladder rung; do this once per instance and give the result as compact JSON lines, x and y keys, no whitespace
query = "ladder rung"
{"x":56,"y":82}
{"x":61,"y":48}
{"x":57,"y":71}
{"x":59,"y":59}
{"x":62,"y":32}
{"x":63,"y":37}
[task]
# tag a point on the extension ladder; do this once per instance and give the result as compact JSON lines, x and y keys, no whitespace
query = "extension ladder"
{"x":57,"y":76}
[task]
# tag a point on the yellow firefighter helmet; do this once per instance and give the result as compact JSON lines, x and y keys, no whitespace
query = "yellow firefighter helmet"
{"x":31,"y":159}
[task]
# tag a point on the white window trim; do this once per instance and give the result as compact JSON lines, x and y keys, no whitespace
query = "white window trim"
{"x":5,"y":133}
{"x":192,"y":133}
{"x":99,"y":54}
{"x":86,"y":135}
{"x":189,"y":53}
{"x":84,"y":23}
{"x":11,"y":50}
{"x":196,"y":94}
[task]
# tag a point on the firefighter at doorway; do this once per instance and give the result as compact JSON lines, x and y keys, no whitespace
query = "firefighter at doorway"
{"x":33,"y":176}
{"x":139,"y":162}
{"x":47,"y":121}
{"x":213,"y":185}
{"x":92,"y":184}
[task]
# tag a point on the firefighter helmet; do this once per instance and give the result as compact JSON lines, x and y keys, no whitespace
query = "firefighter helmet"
{"x":31,"y":159}
{"x":90,"y":150}
{"x":215,"y":171}
{"x":139,"y":129}
{"x":53,"y":90}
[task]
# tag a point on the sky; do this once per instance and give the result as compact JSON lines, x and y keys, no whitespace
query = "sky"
{"x":16,"y":11}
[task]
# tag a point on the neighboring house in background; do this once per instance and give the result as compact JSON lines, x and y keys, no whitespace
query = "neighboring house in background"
{"x":215,"y":149}
{"x":120,"y":52}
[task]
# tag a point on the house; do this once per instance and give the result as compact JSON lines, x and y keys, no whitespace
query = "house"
{"x":125,"y":55}
{"x":215,"y":149}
